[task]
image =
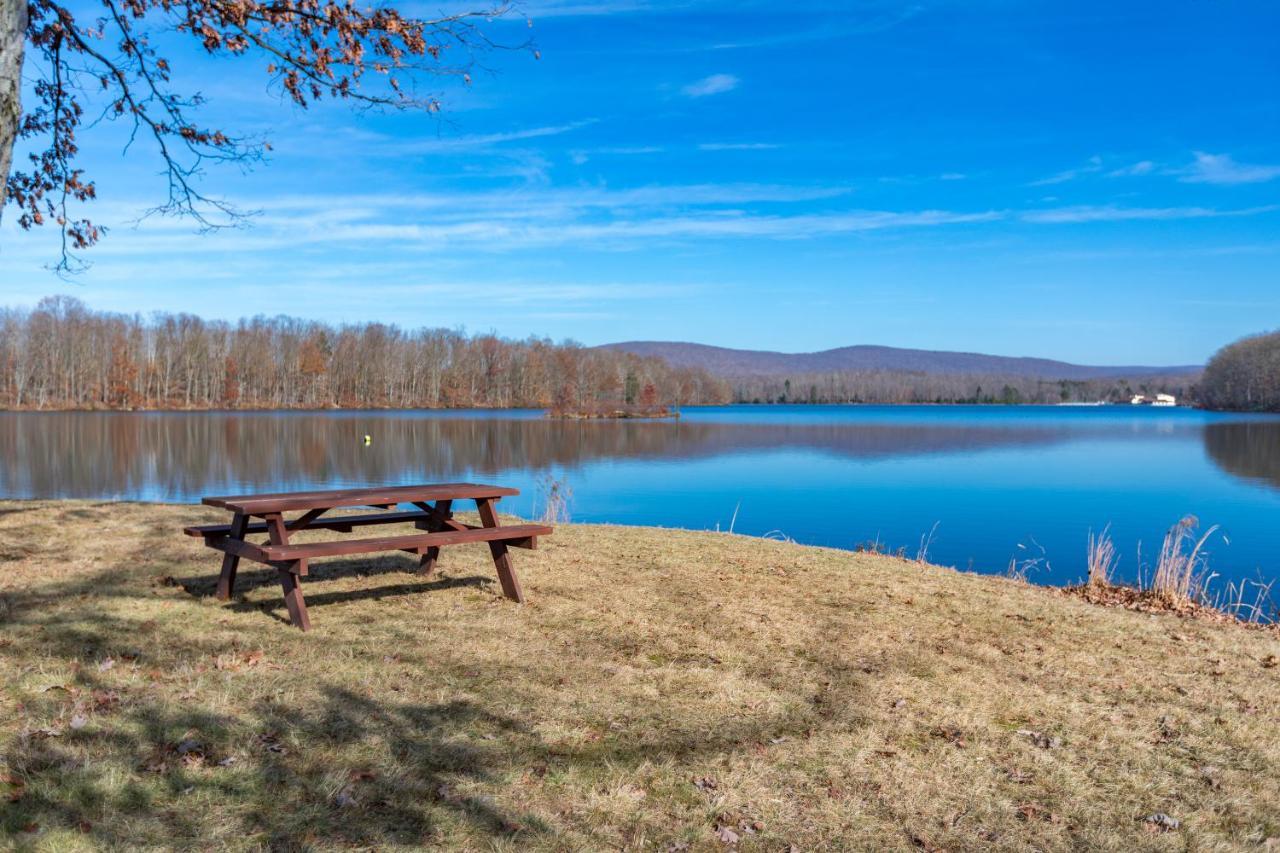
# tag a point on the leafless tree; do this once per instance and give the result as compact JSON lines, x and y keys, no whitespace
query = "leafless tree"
{"x":61,"y":355}
{"x":1245,"y":375}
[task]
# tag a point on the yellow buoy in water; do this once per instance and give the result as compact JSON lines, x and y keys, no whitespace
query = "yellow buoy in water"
{"x":368,"y":440}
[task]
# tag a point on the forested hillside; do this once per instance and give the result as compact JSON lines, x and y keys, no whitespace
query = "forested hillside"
{"x":63,"y":355}
{"x":866,"y":359}
{"x":876,"y":374}
{"x":888,"y":386}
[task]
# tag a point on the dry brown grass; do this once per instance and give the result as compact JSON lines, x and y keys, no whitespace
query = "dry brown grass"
{"x":660,"y":688}
{"x":1102,"y":558}
{"x":1180,"y":569}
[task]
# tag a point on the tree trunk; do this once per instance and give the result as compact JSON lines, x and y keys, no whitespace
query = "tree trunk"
{"x":13,"y":34}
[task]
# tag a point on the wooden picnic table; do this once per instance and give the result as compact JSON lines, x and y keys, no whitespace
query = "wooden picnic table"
{"x":432,"y":514}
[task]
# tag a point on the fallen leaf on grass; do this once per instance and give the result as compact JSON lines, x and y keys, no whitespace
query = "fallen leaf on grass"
{"x":951,"y":734}
{"x":105,"y":699}
{"x":271,"y":743}
{"x":725,"y":835}
{"x":925,"y":844}
{"x":1210,"y":776}
{"x":1041,"y":739}
{"x":1161,"y":822}
{"x":237,"y":661}
{"x":1034,"y":811}
{"x":106,"y":664}
{"x":79,"y":721}
{"x":1270,"y":662}
{"x":1166,"y":733}
{"x":189,"y":747}
{"x":705,"y":783}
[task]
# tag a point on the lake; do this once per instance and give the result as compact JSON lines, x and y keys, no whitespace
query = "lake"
{"x":1000,"y":483}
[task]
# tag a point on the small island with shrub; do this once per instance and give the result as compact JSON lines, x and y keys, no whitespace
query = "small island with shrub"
{"x":638,"y":403}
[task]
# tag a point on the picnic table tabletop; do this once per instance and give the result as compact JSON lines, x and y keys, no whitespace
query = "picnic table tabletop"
{"x":332,"y":498}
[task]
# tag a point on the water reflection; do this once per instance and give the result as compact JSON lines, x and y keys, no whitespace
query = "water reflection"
{"x":996,"y":479}
{"x":179,"y":456}
{"x":1247,"y":449}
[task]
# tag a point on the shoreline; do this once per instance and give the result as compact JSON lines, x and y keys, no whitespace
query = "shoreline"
{"x":742,"y":405}
{"x":1120,"y":595}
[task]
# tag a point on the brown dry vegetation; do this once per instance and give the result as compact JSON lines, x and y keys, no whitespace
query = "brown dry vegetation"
{"x":660,"y":688}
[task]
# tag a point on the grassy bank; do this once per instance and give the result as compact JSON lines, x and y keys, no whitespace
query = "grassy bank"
{"x":660,"y":689}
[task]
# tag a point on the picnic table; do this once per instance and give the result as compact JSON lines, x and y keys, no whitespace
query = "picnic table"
{"x":432,"y":515}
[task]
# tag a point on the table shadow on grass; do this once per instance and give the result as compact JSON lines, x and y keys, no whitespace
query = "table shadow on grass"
{"x":202,"y":586}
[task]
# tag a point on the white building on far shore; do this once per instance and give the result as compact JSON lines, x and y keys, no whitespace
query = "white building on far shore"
{"x":1157,"y":400}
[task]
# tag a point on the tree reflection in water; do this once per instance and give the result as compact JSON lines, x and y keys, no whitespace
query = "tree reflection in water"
{"x":1247,"y":449}
{"x":182,"y":456}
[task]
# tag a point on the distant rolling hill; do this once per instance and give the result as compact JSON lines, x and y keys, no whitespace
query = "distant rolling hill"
{"x":737,"y":362}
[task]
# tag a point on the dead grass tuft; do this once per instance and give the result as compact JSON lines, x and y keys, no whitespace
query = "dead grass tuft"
{"x":1102,"y":558}
{"x":1181,"y":569}
{"x":660,"y":690}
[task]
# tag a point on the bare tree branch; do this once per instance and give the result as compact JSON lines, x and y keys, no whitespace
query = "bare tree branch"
{"x":316,"y":48}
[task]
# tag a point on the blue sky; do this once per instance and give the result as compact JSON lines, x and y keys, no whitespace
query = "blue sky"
{"x":1096,"y":182}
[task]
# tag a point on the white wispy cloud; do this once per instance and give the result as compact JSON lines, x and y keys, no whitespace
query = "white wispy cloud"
{"x":1112,"y":213}
{"x":459,"y":227}
{"x":582,"y":155}
{"x":713,"y":85}
{"x":1142,"y":167}
{"x":1222,"y":169}
{"x":738,"y":146}
{"x":1094,"y":164}
{"x":478,"y":140}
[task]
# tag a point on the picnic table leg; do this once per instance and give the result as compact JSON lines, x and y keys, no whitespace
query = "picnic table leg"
{"x":230,"y":562}
{"x":501,"y":557}
{"x":293,"y":600}
{"x":290,"y":574}
{"x":441,"y":511}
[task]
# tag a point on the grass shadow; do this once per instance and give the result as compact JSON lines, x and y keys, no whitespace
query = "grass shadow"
{"x":348,"y":771}
{"x":320,"y":599}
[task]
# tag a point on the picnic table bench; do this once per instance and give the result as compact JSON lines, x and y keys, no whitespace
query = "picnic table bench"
{"x":432,"y":515}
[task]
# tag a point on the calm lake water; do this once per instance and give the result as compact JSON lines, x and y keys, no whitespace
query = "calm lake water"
{"x":1001,"y":483}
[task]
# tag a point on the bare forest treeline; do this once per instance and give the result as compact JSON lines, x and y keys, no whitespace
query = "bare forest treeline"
{"x":886,"y":386}
{"x":1245,"y":376}
{"x":63,"y":355}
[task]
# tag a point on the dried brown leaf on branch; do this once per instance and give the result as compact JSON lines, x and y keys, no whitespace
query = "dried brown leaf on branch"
{"x":107,"y":68}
